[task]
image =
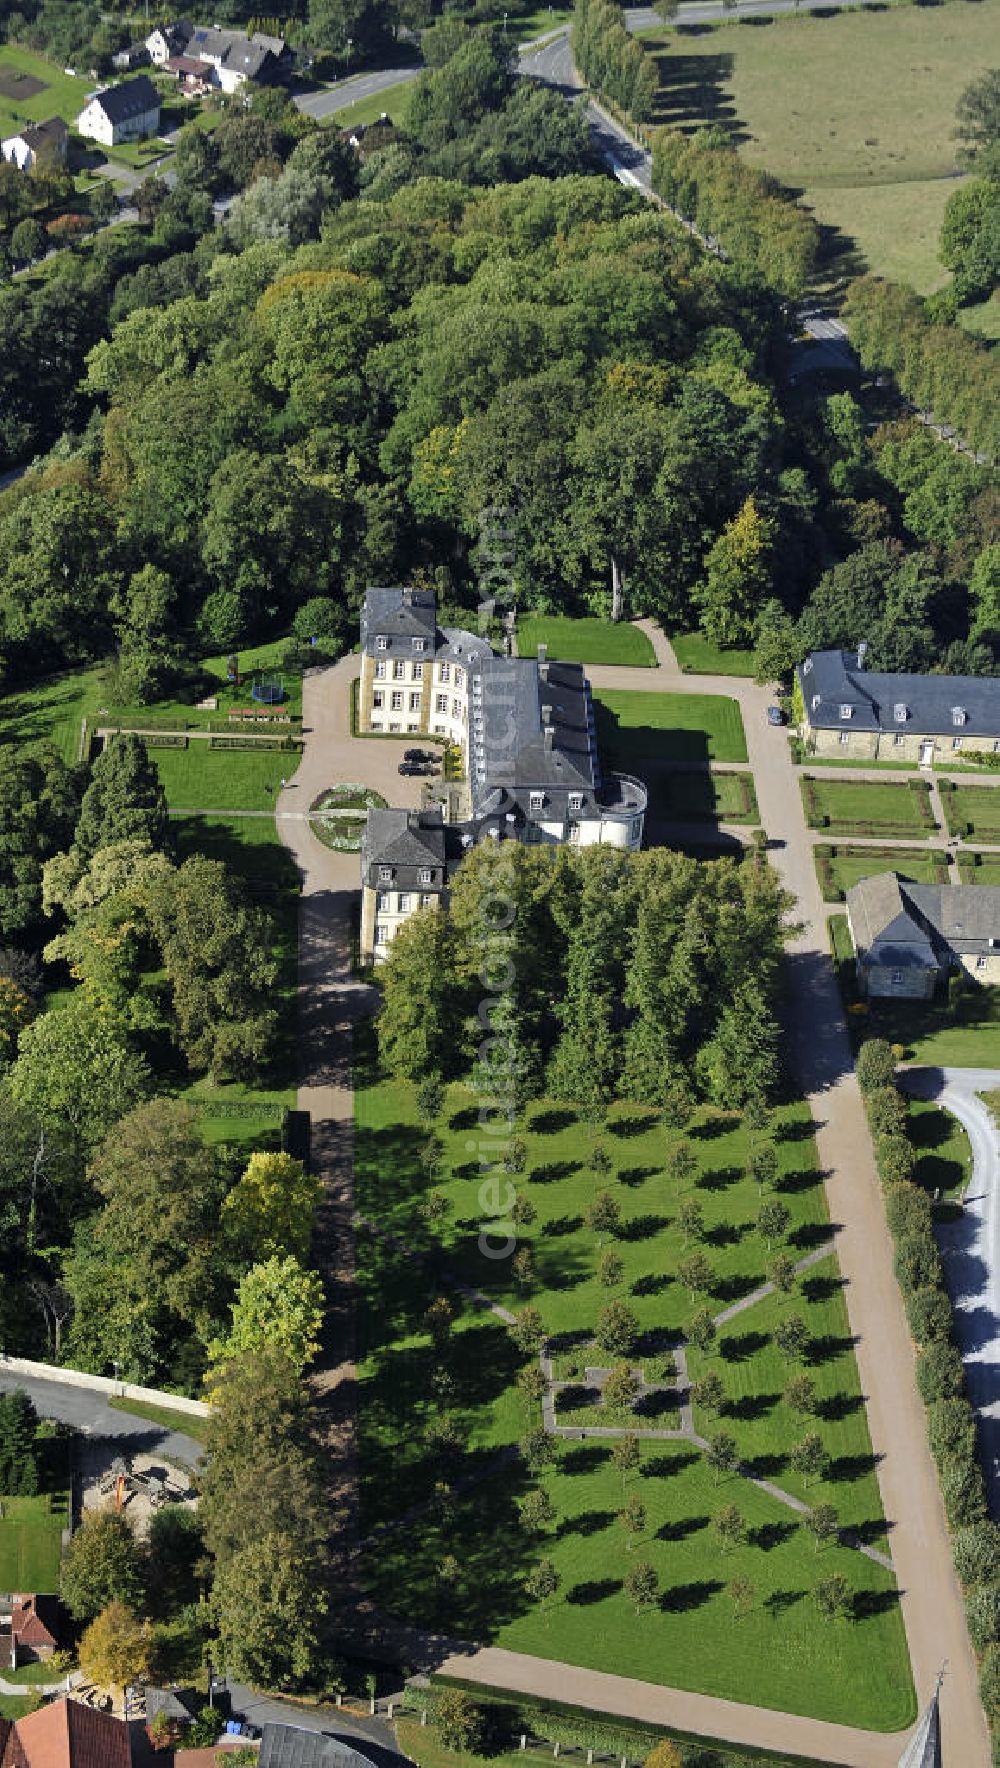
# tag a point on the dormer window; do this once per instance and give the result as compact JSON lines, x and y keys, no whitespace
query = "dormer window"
{"x":536,"y":800}
{"x":958,"y":715}
{"x":576,"y":801}
{"x":807,"y":666}
{"x":385,"y":874}
{"x":420,"y":644}
{"x":899,"y":712}
{"x":815,"y":702}
{"x":846,"y":711}
{"x":381,"y":643}
{"x":426,"y":876}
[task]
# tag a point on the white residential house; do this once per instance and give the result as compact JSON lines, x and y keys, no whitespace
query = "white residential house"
{"x":129,"y":112}
{"x":168,"y":40}
{"x":37,"y":141}
{"x":235,"y":58}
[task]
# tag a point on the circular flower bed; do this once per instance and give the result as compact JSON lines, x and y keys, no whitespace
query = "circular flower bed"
{"x":338,"y":815}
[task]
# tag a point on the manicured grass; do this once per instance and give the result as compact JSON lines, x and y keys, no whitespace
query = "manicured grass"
{"x":972,"y":811}
{"x":50,"y":712}
{"x":978,"y":869}
{"x":394,"y":100}
{"x":30,"y":1534}
{"x":63,"y":95}
{"x":585,"y":640}
{"x":867,"y":807}
{"x":839,"y":868}
{"x":841,"y":943}
{"x":202,"y":778}
{"x":16,"y":1706}
{"x":634,"y":726}
{"x":713,"y":797}
{"x":30,"y":1675}
{"x":874,"y":153}
{"x":697,"y":655}
{"x":939,"y":1034}
{"x":187,"y":1423}
{"x":782,"y":1655}
{"x":944,"y":1154}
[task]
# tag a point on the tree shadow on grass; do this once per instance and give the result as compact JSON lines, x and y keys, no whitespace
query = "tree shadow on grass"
{"x":869,"y":1603}
{"x":821,"y":1288}
{"x":556,"y":1169}
{"x":633,"y":1125}
{"x":589,"y":1522}
{"x":726,"y":1234}
{"x":771,"y":1534}
{"x":734,"y":1288}
{"x":551,"y":1121}
{"x":592,"y":1590}
{"x":836,"y":1407}
{"x":466,"y":1119}
{"x":809,"y":1235}
{"x":844,"y":1469}
{"x":653,"y":1283}
{"x":682,"y":1598}
{"x":636,"y":1175}
{"x":796,"y":1131}
{"x":750,"y":1407}
{"x":873,"y":1532}
{"x":831,"y":1345}
{"x":681,"y":1527}
{"x":780,"y":1601}
{"x":740,"y":1347}
{"x":668,"y":1466}
{"x":642,"y":1227}
{"x":711,"y":1129}
{"x":584,"y":1459}
{"x":720,"y":1178}
{"x":763,"y":1466}
{"x":558,"y":1226}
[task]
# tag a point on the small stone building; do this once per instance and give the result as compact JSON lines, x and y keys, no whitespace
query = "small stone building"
{"x":910,"y":937}
{"x":846,"y":711}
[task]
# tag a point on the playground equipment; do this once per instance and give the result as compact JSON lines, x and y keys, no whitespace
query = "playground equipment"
{"x":267,"y":688}
{"x":122,"y":1482}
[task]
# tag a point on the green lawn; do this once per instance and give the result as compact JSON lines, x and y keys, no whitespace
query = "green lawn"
{"x":30,"y":1535}
{"x":944,"y":1155}
{"x":867,"y":807}
{"x":707,"y":797}
{"x":962,"y":1034}
{"x":972,"y":811}
{"x":62,"y":95}
{"x":585,"y":640}
{"x":983,"y":319}
{"x":202,"y":778}
{"x":782,"y":1655}
{"x":697,"y":655}
{"x":978,"y":869}
{"x":839,"y":868}
{"x":395,"y":100}
{"x":873,"y":153}
{"x":634,"y":726}
{"x":187,"y":1423}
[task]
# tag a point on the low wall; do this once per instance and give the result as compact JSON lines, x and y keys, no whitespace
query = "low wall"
{"x":103,"y":1384}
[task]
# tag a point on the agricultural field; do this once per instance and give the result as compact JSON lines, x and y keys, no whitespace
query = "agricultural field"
{"x":633,"y":727}
{"x":779,"y":87}
{"x":585,"y":640}
{"x":838,"y":869}
{"x":33,"y":89}
{"x":867,"y":807}
{"x":459,"y":1561}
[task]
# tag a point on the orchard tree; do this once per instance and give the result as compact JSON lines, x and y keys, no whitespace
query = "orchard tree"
{"x":625,"y":1456}
{"x":791,"y":1335}
{"x":772,"y":1221}
{"x":695,"y":1272}
{"x":823,"y":1524}
{"x":537,"y":1510}
{"x":808,"y":1458}
{"x":742,"y":1595}
{"x":722,"y":1454}
{"x":610,"y":1268}
{"x":681,"y":1165}
{"x":633,"y":1517}
{"x":800,"y":1394}
{"x":832,"y":1596}
{"x":542,"y":1584}
{"x":702,"y":1330}
{"x":537,"y":1449}
{"x":617,"y":1329}
{"x":691,"y":1219}
{"x":730,"y":1526}
{"x":781,"y":1273}
{"x":527,"y":1331}
{"x":604,"y":1214}
{"x":619,"y":1389}
{"x":641,"y":1585}
{"x":709,"y":1393}
{"x":762,"y":1164}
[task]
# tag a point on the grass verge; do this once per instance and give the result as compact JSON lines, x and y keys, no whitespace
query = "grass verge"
{"x":697,"y":655}
{"x":185,"y":1423}
{"x":587,"y":640}
{"x":635,"y":726}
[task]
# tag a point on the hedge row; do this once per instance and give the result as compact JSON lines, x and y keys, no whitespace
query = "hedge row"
{"x":165,"y":740}
{"x":613,"y":61}
{"x":289,"y":744}
{"x":951,"y":1428}
{"x":756,"y":222}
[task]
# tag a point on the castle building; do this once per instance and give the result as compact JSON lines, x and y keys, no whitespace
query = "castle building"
{"x":525,"y":728}
{"x":845,"y":710}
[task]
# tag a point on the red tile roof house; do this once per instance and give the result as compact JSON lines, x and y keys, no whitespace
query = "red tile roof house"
{"x":65,"y":1735}
{"x":27,"y":1636}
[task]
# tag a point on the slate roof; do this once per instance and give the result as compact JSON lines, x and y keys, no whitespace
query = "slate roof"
{"x":924,"y":1747}
{"x":133,"y":98}
{"x":400,"y":615}
{"x":67,"y":1734}
{"x":520,"y":701}
{"x":234,"y":49}
{"x":289,"y":1746}
{"x":905,"y":925}
{"x":404,"y":838}
{"x":39,"y":136}
{"x":832,"y":679}
{"x":176,"y":1703}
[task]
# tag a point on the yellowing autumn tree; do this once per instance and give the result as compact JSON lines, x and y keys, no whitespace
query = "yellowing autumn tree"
{"x":737,"y":577}
{"x":116,"y":1648}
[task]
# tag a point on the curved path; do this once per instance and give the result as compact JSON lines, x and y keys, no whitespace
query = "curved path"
{"x":331,"y":1002}
{"x":970,"y":1248}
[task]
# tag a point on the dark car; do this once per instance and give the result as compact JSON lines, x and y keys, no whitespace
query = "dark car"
{"x":775,"y":715}
{"x":416,"y":755}
{"x":411,"y":767}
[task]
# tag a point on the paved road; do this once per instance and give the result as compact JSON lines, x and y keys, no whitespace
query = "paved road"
{"x":89,"y":1412}
{"x":341,"y":93}
{"x":970,"y":1248}
{"x":373,"y":1737}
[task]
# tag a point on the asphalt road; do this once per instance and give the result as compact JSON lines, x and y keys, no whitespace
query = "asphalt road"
{"x":90,"y":1413}
{"x":970,"y":1249}
{"x":344,"y":92}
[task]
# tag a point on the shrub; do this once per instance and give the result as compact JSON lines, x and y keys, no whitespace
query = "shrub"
{"x":886,"y":1112}
{"x":917,"y":1264}
{"x":459,"y":1720}
{"x":951,"y":1430}
{"x":876,"y":1065}
{"x":907,"y":1210}
{"x":940,"y":1375}
{"x":963,"y":1492}
{"x":982,"y":1611}
{"x":895,"y":1160}
{"x":976,"y":1552}
{"x":928,"y":1311}
{"x":989,"y":1683}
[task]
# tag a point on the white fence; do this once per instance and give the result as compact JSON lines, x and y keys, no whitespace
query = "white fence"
{"x":103,"y":1384}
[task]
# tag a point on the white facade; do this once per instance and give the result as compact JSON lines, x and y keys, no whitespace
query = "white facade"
{"x":95,"y":124}
{"x":17,"y":150}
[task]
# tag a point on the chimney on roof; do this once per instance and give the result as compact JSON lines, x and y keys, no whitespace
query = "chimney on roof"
{"x":543,"y":651}
{"x":546,"y":714}
{"x":407,"y":598}
{"x":547,"y":736}
{"x":862,"y":650}
{"x":543,"y":671}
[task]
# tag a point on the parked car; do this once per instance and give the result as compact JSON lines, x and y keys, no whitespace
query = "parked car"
{"x":775,"y":715}
{"x":411,"y":767}
{"x":416,"y":755}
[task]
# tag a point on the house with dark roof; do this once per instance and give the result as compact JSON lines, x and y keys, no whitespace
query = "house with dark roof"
{"x":129,"y":112}
{"x":168,"y":39}
{"x":291,"y":1746}
{"x":67,"y":1734}
{"x":845,"y":710}
{"x":36,"y":143}
{"x":134,"y":55}
{"x":910,"y":937}
{"x":234,"y":58}
{"x":525,"y":728}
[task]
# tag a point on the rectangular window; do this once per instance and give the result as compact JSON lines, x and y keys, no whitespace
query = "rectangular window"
{"x":416,"y":672}
{"x":576,"y":801}
{"x":847,"y":711}
{"x":980,"y":963}
{"x":845,"y":737}
{"x":380,"y":934}
{"x":378,"y":699}
{"x":395,"y":703}
{"x":385,"y":874}
{"x":404,"y":904}
{"x":394,"y":727}
{"x":380,"y":670}
{"x":897,"y":979}
{"x":456,"y":709}
{"x":414,"y":702}
{"x":398,"y":670}
{"x":459,"y":677}
{"x":426,"y":901}
{"x":536,"y":800}
{"x":441,"y":703}
{"x":420,"y":644}
{"x":444,"y":672}
{"x":381,"y":644}
{"x":382,"y":900}
{"x":956,"y":742}
{"x":426,"y":876}
{"x":897,"y":742}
